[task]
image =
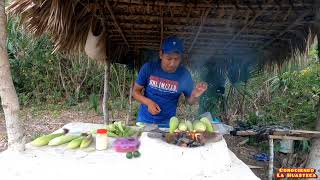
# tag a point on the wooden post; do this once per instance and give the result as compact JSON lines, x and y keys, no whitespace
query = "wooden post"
{"x":106,"y":84}
{"x":318,"y":38}
{"x":130,"y":97}
{"x":270,"y":174}
{"x":123,"y":85}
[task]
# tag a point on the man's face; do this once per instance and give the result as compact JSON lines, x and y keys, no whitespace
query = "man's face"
{"x":170,"y":62}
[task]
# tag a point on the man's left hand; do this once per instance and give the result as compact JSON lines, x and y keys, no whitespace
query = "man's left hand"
{"x":199,"y":89}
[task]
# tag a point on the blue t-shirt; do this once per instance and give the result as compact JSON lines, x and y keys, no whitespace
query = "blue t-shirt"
{"x":164,"y":89}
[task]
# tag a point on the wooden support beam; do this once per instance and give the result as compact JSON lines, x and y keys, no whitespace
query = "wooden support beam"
{"x":228,"y":4}
{"x":283,"y":132}
{"x":116,"y":23}
{"x":203,"y":35}
{"x":203,"y":20}
{"x":289,"y":137}
{"x":295,"y":23}
{"x":244,"y":27}
{"x":161,"y":24}
{"x":209,"y":20}
{"x":318,"y":39}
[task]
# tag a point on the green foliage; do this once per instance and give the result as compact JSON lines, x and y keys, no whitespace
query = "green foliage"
{"x":94,"y":102}
{"x":43,"y":77}
{"x":293,"y":98}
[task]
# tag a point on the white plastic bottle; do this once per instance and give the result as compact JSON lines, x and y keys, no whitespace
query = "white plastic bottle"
{"x":102,"y":139}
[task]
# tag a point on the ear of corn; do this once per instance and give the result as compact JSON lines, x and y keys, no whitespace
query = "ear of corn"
{"x":173,"y":124}
{"x":207,"y":123}
{"x":62,"y":139}
{"x":111,"y":127}
{"x":198,"y":126}
{"x":86,"y":141}
{"x":75,"y":143}
{"x":189,"y":125}
{"x":44,"y":140}
{"x":182,"y":126}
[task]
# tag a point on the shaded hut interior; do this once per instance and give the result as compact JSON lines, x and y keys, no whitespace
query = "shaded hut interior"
{"x":211,"y":29}
{"x":221,"y":36}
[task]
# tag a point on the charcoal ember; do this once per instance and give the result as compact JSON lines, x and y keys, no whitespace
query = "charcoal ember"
{"x":182,"y":144}
{"x":186,"y":140}
{"x":195,"y":144}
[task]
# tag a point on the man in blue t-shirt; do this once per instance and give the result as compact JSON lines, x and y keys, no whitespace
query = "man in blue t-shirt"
{"x":163,"y":82}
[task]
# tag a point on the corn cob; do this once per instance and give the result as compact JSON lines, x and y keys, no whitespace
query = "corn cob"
{"x":62,"y":139}
{"x":207,"y":123}
{"x":75,"y":143}
{"x":86,"y":141}
{"x":173,"y":124}
{"x":44,"y":140}
{"x":189,"y":125}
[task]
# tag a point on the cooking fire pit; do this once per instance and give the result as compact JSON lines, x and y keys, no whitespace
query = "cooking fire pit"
{"x":191,"y":139}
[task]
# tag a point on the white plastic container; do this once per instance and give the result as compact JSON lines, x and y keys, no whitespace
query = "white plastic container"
{"x":287,"y":146}
{"x":101,"y":139}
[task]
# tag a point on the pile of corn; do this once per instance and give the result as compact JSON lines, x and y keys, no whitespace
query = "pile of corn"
{"x":74,"y":141}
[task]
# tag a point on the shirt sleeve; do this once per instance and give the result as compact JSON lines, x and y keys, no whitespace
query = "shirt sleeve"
{"x":187,"y":84}
{"x":144,"y":75}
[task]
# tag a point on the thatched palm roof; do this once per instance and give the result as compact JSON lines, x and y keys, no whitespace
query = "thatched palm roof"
{"x":268,"y":29}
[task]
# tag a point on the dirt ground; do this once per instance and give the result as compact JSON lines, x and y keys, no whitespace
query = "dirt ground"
{"x":36,"y":123}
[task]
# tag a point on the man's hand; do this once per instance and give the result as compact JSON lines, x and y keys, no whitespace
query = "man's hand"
{"x":199,"y":89}
{"x":197,"y":92}
{"x":153,"y":108}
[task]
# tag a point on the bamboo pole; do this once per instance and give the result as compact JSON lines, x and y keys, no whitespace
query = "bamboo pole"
{"x":116,"y":23}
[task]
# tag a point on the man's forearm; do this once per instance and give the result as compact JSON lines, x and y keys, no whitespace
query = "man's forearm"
{"x":140,"y":98}
{"x":192,"y":99}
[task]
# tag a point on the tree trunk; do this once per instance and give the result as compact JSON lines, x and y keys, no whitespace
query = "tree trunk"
{"x":9,"y":98}
{"x":314,"y":156}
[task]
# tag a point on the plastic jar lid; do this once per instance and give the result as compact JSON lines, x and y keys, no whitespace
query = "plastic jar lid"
{"x":102,"y":131}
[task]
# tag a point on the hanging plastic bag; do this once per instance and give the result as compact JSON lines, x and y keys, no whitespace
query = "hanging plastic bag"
{"x":96,"y":43}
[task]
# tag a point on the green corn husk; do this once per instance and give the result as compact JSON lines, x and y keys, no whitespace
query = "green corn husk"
{"x":86,"y":141}
{"x":130,"y":132}
{"x":110,"y":127}
{"x":189,"y":125}
{"x":62,"y":139}
{"x":75,"y":143}
{"x":207,"y":123}
{"x":199,"y":126}
{"x":44,"y":140}
{"x":173,"y":124}
{"x":112,"y":134}
{"x":182,"y":126}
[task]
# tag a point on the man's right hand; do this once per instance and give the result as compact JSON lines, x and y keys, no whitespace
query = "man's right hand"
{"x":153,"y":108}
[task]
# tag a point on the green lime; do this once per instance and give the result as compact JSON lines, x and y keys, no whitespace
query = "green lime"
{"x":129,"y":155}
{"x":136,"y":154}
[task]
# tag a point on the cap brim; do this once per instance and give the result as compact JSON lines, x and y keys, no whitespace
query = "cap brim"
{"x":172,"y":51}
